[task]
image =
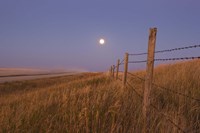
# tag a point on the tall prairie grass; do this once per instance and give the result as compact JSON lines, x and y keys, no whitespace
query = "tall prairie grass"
{"x":184,"y":78}
{"x":96,"y":103}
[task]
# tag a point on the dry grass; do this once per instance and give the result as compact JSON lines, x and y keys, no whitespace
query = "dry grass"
{"x":94,"y":103}
{"x":182,"y":78}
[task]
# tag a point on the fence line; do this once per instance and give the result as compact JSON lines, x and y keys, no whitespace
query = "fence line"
{"x":121,"y":62}
{"x":167,"y":118}
{"x":136,"y":76}
{"x":134,"y":62}
{"x":181,"y":58}
{"x":175,"y":49}
{"x":154,"y":107}
{"x":166,"y":89}
{"x":119,"y":79}
{"x":166,"y":59}
{"x":137,"y":54}
{"x":168,"y":50}
{"x":141,"y":97}
{"x":178,"y":93}
{"x":148,"y":80}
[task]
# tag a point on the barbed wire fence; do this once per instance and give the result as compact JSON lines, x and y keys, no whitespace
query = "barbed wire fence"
{"x":148,"y":80}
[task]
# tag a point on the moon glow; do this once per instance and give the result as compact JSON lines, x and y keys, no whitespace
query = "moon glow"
{"x":102,"y":41}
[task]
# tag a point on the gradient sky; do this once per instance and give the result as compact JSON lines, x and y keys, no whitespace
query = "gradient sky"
{"x":53,"y":34}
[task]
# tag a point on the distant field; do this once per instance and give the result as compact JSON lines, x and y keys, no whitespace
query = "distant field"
{"x":19,"y":74}
{"x":96,"y":103}
{"x":20,"y":71}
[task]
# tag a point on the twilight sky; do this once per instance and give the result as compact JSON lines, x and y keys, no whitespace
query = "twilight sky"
{"x":52,"y":34}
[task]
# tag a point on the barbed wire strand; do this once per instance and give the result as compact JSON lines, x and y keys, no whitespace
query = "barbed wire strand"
{"x":181,"y":58}
{"x":178,"y":93}
{"x":121,"y":62}
{"x":168,"y":50}
{"x":167,"y":118}
{"x":135,"y":91}
{"x":119,"y":79}
{"x":164,"y":88}
{"x":143,"y":81}
{"x":138,"y":54}
{"x":136,"y":76}
{"x":175,"y":49}
{"x":134,"y":62}
{"x":166,"y":59}
{"x":163,"y":114}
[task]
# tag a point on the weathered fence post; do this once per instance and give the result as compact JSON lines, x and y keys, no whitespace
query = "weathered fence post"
{"x":149,"y":78}
{"x":117,"y":68}
{"x":125,"y":68}
{"x":113,"y":72}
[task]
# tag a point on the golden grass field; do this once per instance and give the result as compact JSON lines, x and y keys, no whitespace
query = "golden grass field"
{"x":96,"y":103}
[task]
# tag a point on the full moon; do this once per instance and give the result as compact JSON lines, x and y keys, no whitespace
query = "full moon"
{"x":102,"y":41}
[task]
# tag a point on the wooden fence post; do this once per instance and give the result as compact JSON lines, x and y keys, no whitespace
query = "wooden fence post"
{"x":117,"y":68}
{"x":113,"y":72}
{"x":149,"y":78}
{"x":125,"y":68}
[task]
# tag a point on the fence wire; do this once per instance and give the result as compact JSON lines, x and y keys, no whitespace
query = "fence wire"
{"x":157,"y":110}
{"x":167,"y":118}
{"x":161,"y":87}
{"x":168,"y":50}
{"x":138,"y":54}
{"x":119,"y":79}
{"x":122,"y":62}
{"x":166,"y":59}
{"x":136,"y":76}
{"x":181,"y":58}
{"x":166,"y":89}
{"x":134,"y":62}
{"x":135,"y":91}
{"x":178,"y":93}
{"x":176,"y":49}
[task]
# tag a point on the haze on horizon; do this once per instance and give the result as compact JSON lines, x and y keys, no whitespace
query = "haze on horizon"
{"x":60,"y":34}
